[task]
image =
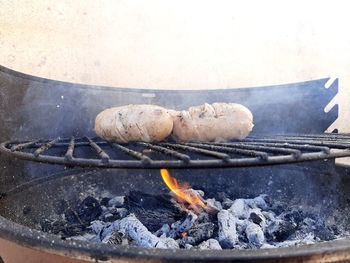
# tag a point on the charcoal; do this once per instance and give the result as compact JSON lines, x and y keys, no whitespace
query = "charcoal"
{"x":148,"y":201}
{"x":104,"y":209}
{"x":104,"y":201}
{"x":221,"y":196}
{"x":336,"y":230}
{"x":117,"y":201}
{"x":186,"y":241}
{"x":188,"y":246}
{"x":269,"y":201}
{"x":186,"y":206}
{"x":135,"y":230}
{"x":46,"y":225}
{"x":227,"y":229}
{"x":213,"y":203}
{"x":242,"y":246}
{"x":304,"y":240}
{"x":163,"y":231}
{"x":256,"y":218}
{"x":239,"y":209}
{"x":254,"y":234}
{"x":152,"y":210}
{"x":280,"y":230}
{"x":113,"y":210}
{"x":116,"y":238}
{"x":210,"y":244}
{"x":57,"y":226}
{"x":166,"y":242}
{"x":278,"y":208}
{"x":226,"y":203}
{"x":199,"y":192}
{"x":73,"y":230}
{"x":122,"y":212}
{"x":182,"y":225}
{"x":241,"y":225}
{"x":118,"y":213}
{"x":297,"y":216}
{"x":202,"y":232}
{"x":97,"y":226}
{"x":269,"y":216}
{"x":267,"y":245}
{"x":203,"y":218}
{"x":71,"y":216}
{"x":309,"y":224}
{"x":260,"y":215}
{"x":324,"y":233}
{"x":108,"y":217}
{"x":156,"y":221}
{"x":312,"y":216}
{"x":259,"y":202}
{"x":89,"y":210}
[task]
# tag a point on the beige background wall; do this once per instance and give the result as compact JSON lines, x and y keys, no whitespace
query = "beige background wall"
{"x":183,"y":44}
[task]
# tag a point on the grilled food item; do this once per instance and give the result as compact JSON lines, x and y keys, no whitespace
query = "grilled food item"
{"x":129,"y":123}
{"x":212,"y":122}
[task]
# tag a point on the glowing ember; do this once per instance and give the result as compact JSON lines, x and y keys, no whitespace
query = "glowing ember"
{"x":185,"y":194}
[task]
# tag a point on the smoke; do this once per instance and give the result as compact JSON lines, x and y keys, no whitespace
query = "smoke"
{"x":50,"y":109}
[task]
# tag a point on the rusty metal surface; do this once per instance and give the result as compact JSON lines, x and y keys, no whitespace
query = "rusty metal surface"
{"x":11,"y":252}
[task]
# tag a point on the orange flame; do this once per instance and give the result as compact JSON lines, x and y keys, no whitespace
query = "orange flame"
{"x":184,"y":193}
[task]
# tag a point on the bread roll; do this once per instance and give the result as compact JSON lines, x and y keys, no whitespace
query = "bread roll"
{"x":215,"y":122}
{"x":129,"y":123}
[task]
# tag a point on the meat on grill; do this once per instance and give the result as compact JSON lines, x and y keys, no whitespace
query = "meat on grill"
{"x":213,"y":122}
{"x":134,"y":123}
{"x":207,"y":122}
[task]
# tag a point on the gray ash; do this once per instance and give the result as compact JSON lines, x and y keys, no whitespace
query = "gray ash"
{"x":145,"y":220}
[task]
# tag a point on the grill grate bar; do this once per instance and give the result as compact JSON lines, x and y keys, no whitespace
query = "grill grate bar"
{"x":328,"y":136}
{"x":294,"y":146}
{"x":259,"y":154}
{"x":331,"y":139}
{"x":70,"y":150}
{"x":330,"y":144}
{"x":45,"y":147}
{"x":22,"y":146}
{"x":215,"y":154}
{"x":270,"y":149}
{"x":158,"y":148}
{"x":103,"y":155}
{"x":137,"y":155}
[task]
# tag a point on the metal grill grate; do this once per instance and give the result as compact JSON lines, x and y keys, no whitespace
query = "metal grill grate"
{"x":252,"y":151}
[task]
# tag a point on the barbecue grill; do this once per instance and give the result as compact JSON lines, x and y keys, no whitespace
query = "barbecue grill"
{"x":297,"y":164}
